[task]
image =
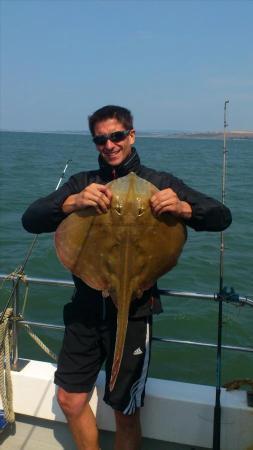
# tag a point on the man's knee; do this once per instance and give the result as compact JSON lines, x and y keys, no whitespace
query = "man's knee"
{"x":71,"y":403}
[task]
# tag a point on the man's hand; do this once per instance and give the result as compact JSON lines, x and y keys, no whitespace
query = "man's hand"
{"x":168,"y":201}
{"x":96,"y":195}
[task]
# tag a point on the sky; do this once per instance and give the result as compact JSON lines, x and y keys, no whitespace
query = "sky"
{"x":172,"y":63}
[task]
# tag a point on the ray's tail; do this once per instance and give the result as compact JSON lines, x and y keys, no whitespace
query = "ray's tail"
{"x":122,"y":322}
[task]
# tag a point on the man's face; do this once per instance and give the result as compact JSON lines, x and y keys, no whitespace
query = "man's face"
{"x":114,"y":152}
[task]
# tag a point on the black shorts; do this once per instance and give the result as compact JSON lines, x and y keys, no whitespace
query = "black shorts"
{"x":89,"y":342}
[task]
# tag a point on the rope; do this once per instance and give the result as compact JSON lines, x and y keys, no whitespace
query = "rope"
{"x":39,"y":342}
{"x":236,"y":384}
{"x":6,"y":392}
{"x":5,"y":369}
{"x":22,"y":277}
{"x":16,"y":276}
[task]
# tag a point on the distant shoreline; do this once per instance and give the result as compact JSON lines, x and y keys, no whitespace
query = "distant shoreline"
{"x":199,"y":135}
{"x":157,"y":134}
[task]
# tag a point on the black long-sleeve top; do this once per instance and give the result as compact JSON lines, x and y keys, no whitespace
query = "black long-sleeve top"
{"x":45,"y":214}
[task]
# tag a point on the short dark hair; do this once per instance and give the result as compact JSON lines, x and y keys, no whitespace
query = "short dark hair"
{"x":123,"y":115}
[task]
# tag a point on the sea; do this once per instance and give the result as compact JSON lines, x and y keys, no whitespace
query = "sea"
{"x":31,"y":166}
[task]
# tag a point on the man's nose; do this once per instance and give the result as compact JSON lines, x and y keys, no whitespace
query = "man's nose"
{"x":109,"y":144}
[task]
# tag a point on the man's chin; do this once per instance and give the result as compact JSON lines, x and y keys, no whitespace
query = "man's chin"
{"x":113,"y":161}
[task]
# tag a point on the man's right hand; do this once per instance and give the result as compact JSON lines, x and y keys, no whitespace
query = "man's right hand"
{"x":97,"y":195}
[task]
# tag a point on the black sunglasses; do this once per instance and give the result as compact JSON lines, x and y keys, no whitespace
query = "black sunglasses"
{"x":117,"y":136}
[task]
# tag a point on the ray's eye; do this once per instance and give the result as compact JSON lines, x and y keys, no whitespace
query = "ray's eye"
{"x":140,"y":207}
{"x":118,"y":209}
{"x":118,"y":206}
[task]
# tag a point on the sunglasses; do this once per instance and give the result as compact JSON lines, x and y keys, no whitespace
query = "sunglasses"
{"x":117,"y":136}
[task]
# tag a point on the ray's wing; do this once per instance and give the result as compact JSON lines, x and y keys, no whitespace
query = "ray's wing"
{"x":82,"y":245}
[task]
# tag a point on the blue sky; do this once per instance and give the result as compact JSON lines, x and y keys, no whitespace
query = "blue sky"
{"x":173,"y":63}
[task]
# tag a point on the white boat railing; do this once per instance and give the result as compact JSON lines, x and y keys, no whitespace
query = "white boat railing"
{"x":228,"y":296}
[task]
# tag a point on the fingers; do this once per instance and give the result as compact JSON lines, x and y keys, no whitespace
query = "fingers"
{"x":96,"y":195}
{"x":165,"y":201}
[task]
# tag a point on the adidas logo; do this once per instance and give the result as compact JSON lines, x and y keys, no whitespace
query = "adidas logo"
{"x":138,"y":351}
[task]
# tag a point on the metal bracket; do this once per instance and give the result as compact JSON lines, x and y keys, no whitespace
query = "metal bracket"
{"x":250,"y":399}
{"x":229,"y":296}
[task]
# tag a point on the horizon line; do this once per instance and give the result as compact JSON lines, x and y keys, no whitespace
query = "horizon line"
{"x":141,"y":131}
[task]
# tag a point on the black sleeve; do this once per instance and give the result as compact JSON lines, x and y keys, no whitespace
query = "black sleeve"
{"x":208,"y":214}
{"x":45,"y":214}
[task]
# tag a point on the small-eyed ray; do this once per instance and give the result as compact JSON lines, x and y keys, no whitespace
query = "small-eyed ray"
{"x":123,"y":251}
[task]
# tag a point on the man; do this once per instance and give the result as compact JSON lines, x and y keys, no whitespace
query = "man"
{"x":91,"y":320}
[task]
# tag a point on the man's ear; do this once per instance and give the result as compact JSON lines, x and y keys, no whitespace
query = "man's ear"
{"x":132,"y":136}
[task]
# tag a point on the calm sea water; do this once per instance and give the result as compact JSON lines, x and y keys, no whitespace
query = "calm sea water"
{"x":31,"y":164}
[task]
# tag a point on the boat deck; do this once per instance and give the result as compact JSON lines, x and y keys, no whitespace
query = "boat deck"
{"x":30,"y":433}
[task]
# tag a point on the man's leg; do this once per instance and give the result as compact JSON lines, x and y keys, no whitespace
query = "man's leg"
{"x":128,"y":431}
{"x":128,"y":394}
{"x":80,"y":417}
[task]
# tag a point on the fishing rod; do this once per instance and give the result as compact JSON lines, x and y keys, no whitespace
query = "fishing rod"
{"x":20,"y":271}
{"x":217,"y":408}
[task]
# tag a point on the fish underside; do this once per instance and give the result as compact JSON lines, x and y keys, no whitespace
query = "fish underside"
{"x":123,"y":251}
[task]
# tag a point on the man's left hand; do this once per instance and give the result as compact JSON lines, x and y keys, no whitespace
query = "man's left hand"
{"x":168,"y":201}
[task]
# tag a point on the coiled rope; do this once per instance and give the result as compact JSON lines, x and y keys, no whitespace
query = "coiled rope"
{"x":7,"y":318}
{"x":6,"y":392}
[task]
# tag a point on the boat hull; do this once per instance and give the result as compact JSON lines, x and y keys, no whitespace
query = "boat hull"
{"x":174,"y":412}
